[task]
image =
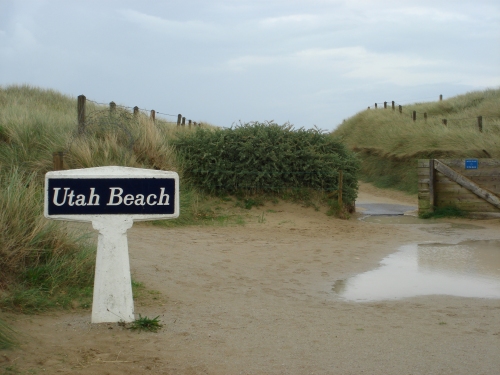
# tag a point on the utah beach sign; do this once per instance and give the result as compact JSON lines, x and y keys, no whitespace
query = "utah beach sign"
{"x":112,"y":198}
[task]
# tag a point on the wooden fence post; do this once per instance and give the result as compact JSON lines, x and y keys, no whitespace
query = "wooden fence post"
{"x":445,"y":122}
{"x":375,"y":105}
{"x":441,"y":98}
{"x":152,"y":115}
{"x":189,"y":122}
{"x":183,"y":121}
{"x":425,"y":116}
{"x":81,"y":113}
{"x":414,"y":115}
{"x":136,"y":111}
{"x":179,"y":118}
{"x":393,"y":105}
{"x":432,"y":181}
{"x":58,"y":160}
{"x":480,"y":123}
{"x":400,"y":109}
{"x":341,"y":177}
{"x":368,"y":107}
{"x":112,"y":107}
{"x":385,"y":105}
{"x":194,"y":124}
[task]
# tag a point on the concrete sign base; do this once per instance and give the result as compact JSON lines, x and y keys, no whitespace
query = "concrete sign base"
{"x":113,"y":300}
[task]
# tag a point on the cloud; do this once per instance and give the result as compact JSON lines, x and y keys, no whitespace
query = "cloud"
{"x":192,"y":28}
{"x":429,"y":14}
{"x":19,"y":39}
{"x":358,"y":62}
{"x":361,"y":64}
{"x":290,"y":20}
{"x":244,"y":63}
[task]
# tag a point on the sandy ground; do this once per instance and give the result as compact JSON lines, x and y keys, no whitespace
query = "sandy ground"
{"x":257,"y":299}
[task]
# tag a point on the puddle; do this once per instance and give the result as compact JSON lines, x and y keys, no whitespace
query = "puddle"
{"x":468,"y":269}
{"x":399,"y":219}
{"x":452,"y":229}
{"x":408,"y":219}
{"x":465,"y":226}
{"x":383,"y":208}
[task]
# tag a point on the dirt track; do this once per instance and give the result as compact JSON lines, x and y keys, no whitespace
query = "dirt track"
{"x":257,"y":299}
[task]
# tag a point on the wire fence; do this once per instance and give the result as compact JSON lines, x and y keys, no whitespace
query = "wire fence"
{"x":134,"y":111}
{"x":477,"y":121}
{"x":97,"y":118}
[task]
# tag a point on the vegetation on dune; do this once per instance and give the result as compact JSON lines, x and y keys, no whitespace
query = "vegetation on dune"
{"x":389,"y":142}
{"x":390,"y":133}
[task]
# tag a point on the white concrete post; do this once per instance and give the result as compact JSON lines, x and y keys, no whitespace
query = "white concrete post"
{"x":113,"y":300}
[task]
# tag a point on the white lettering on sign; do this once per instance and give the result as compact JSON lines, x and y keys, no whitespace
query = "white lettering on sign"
{"x":113,"y":195}
{"x":163,"y":195}
{"x":80,"y":198}
{"x":116,"y":198}
{"x":149,"y":197}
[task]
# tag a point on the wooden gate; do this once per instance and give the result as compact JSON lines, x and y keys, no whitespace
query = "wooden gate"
{"x":472,"y":185}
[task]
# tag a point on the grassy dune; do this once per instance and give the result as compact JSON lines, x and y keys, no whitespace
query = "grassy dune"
{"x":389,"y":142}
{"x":44,"y":264}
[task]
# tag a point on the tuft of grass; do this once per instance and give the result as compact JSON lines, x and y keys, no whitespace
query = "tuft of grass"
{"x":248,"y":203}
{"x":334,"y":209}
{"x":143,"y":323}
{"x":448,"y":211}
{"x":7,"y":339}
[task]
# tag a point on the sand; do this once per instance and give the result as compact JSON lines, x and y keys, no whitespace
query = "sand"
{"x":257,"y":299}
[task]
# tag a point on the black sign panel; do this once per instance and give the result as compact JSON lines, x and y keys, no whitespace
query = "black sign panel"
{"x":106,"y":196}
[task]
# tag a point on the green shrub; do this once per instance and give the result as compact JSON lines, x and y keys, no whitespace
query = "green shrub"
{"x":266,"y":158}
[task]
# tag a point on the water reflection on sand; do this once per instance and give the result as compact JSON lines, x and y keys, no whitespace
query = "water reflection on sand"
{"x":467,"y":269}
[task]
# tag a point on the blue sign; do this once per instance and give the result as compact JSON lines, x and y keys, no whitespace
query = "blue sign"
{"x":105,"y":196}
{"x":471,"y":164}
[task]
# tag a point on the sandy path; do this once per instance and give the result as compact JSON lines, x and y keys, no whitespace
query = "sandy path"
{"x":257,"y":299}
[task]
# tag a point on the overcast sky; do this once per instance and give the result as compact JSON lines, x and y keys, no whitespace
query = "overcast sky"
{"x":309,"y":62}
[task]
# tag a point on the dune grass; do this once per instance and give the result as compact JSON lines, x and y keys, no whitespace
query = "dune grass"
{"x":45,"y":264}
{"x":389,"y":142}
{"x":393,"y":134}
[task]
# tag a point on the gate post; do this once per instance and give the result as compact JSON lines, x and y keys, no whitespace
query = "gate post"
{"x":426,"y":191}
